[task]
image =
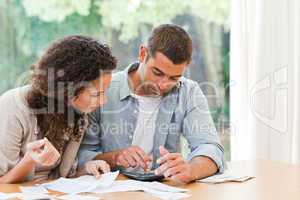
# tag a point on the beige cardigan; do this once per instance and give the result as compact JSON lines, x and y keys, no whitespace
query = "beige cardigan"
{"x":18,"y":127}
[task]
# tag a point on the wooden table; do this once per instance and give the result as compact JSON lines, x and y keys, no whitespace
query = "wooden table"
{"x":274,"y":181}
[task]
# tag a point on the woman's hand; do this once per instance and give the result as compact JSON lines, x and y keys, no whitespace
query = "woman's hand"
{"x":43,"y":152}
{"x":94,"y":167}
{"x":38,"y":152}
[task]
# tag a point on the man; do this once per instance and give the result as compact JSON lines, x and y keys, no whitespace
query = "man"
{"x":150,"y":106}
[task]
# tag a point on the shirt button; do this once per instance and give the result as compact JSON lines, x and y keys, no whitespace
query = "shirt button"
{"x":130,"y":136}
{"x":135,"y":111}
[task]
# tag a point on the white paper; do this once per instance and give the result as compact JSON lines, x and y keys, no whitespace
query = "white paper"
{"x":108,"y":184}
{"x":156,"y":189}
{"x":227,"y":176}
{"x":65,"y":185}
{"x":33,"y":190}
{"x":163,"y":187}
{"x":77,"y":197}
{"x":82,"y":184}
{"x":133,"y":185}
{"x":4,"y":196}
{"x":167,"y":195}
{"x":120,"y":186}
{"x":24,"y":196}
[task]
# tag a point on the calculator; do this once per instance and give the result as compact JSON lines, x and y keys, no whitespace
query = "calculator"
{"x":140,"y":175}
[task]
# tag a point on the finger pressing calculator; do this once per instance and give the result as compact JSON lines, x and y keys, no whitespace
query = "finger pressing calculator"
{"x":141,"y":175}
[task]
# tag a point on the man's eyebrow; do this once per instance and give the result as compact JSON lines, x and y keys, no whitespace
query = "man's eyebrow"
{"x":155,"y":68}
{"x":175,"y":76}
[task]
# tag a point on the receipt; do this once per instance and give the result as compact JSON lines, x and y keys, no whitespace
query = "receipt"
{"x":77,"y":197}
{"x":227,"y":176}
{"x":156,"y":189}
{"x":81,"y":184}
{"x":33,"y":190}
{"x":167,"y":195}
{"x":24,"y":196}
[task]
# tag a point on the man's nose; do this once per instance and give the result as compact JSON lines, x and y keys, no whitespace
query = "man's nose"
{"x":164,"y":83}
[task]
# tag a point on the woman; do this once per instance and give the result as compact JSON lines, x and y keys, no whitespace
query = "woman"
{"x":42,"y":124}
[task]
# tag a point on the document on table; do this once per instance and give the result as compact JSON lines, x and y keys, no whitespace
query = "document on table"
{"x":4,"y":196}
{"x":81,"y":184}
{"x":108,"y":184}
{"x":227,"y":176}
{"x":133,"y":185}
{"x":77,"y":197}
{"x":28,"y":193}
{"x":156,"y":189}
{"x":167,"y":195}
{"x":33,"y":190}
{"x":24,"y":196}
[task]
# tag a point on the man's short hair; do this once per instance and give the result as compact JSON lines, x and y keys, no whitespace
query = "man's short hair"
{"x":172,"y":41}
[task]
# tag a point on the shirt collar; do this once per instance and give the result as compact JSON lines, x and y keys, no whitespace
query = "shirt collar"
{"x":125,"y":89}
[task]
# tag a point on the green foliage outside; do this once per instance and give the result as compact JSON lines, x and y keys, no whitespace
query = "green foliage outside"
{"x":28,"y":26}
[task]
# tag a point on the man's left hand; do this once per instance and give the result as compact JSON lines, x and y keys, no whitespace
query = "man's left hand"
{"x":172,"y":165}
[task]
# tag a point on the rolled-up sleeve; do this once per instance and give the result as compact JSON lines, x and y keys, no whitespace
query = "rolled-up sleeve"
{"x":90,"y":146}
{"x":200,"y":131}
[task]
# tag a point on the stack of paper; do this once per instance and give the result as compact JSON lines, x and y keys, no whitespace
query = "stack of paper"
{"x":156,"y":189}
{"x":28,"y":193}
{"x":37,"y":196}
{"x":227,"y":176}
{"x":106,"y":184}
{"x":24,"y":196}
{"x":82,"y":184}
{"x":33,"y":190}
{"x":77,"y":197}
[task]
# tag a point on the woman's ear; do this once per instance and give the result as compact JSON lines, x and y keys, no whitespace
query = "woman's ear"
{"x":142,"y":53}
{"x":72,"y":101}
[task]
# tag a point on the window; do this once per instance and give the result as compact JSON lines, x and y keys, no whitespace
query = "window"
{"x":28,"y":26}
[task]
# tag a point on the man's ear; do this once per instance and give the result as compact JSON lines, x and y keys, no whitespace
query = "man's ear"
{"x":142,"y":53}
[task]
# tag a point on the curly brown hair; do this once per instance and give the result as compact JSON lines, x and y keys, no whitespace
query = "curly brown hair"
{"x":62,"y":73}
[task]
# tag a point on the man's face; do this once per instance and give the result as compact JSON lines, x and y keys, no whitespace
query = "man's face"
{"x":158,"y":73}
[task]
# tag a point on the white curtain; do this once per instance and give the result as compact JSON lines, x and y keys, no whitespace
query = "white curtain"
{"x":265,"y":84}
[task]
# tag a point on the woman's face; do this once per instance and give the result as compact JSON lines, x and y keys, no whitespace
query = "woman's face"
{"x":93,"y":96}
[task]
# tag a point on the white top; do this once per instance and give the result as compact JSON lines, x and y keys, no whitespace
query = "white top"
{"x":145,"y":126}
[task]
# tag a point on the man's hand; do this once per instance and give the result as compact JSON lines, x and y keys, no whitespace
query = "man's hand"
{"x":173,"y":165}
{"x":133,"y":156}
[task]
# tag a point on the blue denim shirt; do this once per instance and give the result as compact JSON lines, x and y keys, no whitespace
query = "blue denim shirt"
{"x":183,"y":111}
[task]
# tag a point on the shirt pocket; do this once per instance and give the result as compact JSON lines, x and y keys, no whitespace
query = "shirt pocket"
{"x":173,"y":138}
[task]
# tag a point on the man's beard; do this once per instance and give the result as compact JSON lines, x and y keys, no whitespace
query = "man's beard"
{"x":152,"y":90}
{"x":148,"y":89}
